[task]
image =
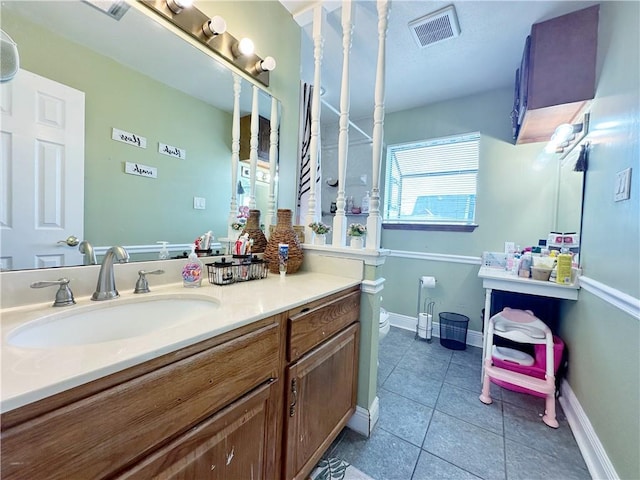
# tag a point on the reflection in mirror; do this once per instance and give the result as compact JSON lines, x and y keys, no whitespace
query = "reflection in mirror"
{"x":256,"y":183}
{"x":157,"y":142}
{"x":570,"y":195}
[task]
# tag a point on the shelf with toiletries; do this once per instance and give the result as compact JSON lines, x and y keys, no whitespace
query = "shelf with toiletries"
{"x":500,"y":279}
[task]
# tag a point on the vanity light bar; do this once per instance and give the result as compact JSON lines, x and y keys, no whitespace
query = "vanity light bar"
{"x":191,"y":20}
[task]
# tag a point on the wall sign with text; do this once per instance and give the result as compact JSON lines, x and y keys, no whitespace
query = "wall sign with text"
{"x":129,"y":138}
{"x":140,"y":170}
{"x":171,"y":151}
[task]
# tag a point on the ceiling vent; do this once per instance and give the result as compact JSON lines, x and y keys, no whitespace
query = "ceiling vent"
{"x":435,"y":27}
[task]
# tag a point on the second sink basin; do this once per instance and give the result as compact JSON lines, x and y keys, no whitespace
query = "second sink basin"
{"x":113,"y":320}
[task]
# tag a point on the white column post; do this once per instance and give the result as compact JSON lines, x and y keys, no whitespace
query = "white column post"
{"x":253,"y":151}
{"x":318,"y":41}
{"x":340,"y":219}
{"x":273,"y":161}
{"x":374,"y":220}
{"x":235,"y":155}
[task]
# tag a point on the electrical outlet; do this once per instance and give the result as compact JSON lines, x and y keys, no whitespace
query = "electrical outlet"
{"x":199,"y":203}
{"x":623,"y":185}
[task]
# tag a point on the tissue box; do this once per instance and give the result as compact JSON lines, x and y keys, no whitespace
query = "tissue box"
{"x":494,"y":259}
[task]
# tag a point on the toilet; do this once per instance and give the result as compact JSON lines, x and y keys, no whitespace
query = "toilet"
{"x":384,"y":323}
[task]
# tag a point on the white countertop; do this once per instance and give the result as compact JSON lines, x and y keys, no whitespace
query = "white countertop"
{"x":31,"y":374}
{"x":499,"y":279}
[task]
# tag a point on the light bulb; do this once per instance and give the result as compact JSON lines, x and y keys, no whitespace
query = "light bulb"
{"x":176,"y":6}
{"x":214,"y":26}
{"x":243,"y":47}
{"x":563,"y":132}
{"x":266,"y":65}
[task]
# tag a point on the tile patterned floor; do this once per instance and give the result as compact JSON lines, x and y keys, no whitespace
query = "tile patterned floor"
{"x":433,"y":426}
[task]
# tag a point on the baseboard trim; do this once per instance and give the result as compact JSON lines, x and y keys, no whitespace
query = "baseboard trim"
{"x":363,"y":420}
{"x":596,"y":458}
{"x":409,"y":323}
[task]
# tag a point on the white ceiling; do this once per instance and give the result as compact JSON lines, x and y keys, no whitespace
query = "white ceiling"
{"x":484,"y":56}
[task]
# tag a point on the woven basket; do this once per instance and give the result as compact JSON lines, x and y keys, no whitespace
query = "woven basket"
{"x":252,"y":227}
{"x":284,"y":233}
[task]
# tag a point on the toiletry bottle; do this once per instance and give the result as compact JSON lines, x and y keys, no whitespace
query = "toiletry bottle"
{"x":510,"y":259}
{"x":192,"y":271}
{"x":283,"y":258}
{"x":349,"y":204}
{"x":365,"y":203}
{"x":563,"y":274}
{"x":516,"y":261}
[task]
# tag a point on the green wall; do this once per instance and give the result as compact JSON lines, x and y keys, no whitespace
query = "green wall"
{"x":515,"y":202}
{"x":604,"y":341}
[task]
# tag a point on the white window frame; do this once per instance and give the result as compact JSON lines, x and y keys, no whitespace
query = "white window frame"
{"x":453,"y":158}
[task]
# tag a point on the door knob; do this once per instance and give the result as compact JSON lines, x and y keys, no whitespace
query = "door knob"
{"x":71,"y":241}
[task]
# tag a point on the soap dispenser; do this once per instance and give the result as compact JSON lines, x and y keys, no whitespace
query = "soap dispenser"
{"x":192,"y":271}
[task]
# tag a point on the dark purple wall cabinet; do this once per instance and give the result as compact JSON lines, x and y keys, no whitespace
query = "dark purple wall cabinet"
{"x":557,"y":77}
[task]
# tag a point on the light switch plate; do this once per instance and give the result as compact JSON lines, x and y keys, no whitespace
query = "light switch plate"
{"x":623,"y":185}
{"x":199,"y":203}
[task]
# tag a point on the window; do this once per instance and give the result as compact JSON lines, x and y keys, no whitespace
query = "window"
{"x":432,"y":182}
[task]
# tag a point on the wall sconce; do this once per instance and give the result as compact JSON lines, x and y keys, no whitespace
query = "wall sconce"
{"x":212,"y":33}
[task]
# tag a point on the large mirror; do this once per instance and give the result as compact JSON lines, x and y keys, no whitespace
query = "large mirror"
{"x":153,"y":125}
{"x":570,"y":195}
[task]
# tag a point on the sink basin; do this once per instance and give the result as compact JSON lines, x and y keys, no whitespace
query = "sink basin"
{"x":113,"y":320}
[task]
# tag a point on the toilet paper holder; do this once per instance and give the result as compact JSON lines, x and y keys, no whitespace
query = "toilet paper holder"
{"x":424,"y":324}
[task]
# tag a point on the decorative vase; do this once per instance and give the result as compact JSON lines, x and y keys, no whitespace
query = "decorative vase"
{"x":319,"y":238}
{"x":357,"y":242}
{"x":252,"y":227}
{"x":284,"y":233}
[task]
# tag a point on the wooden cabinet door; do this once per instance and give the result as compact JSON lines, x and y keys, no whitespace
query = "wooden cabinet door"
{"x":236,"y":443}
{"x":321,"y":397}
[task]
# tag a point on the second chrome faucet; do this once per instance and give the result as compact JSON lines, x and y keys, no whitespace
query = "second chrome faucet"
{"x":106,"y":287}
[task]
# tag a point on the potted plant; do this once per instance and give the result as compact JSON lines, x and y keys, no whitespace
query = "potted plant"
{"x":320,"y":231}
{"x":357,"y":231}
{"x":239,"y":225}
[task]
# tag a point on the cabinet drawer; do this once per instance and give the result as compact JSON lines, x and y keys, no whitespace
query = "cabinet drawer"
{"x":233,"y":443}
{"x":310,"y":327}
{"x":99,"y":435}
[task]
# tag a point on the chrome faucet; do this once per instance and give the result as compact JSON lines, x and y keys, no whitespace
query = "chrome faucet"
{"x":106,"y":288}
{"x":89,"y":254}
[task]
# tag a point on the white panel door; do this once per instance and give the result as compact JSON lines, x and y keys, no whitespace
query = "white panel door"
{"x":42,"y":172}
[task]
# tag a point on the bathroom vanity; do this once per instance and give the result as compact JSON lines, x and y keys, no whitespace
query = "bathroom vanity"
{"x":261,"y":393}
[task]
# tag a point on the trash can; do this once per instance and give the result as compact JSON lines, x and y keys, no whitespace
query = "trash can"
{"x":453,"y":330}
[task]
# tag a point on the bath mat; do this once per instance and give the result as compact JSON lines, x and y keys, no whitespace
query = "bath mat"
{"x":336,"y":469}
